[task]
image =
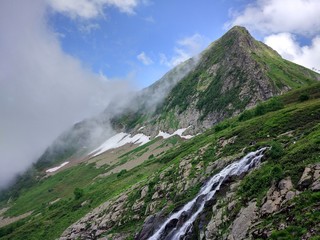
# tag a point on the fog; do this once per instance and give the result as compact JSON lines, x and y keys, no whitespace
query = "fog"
{"x":43,"y":90}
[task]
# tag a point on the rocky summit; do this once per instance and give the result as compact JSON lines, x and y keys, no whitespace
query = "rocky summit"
{"x":224,"y":146}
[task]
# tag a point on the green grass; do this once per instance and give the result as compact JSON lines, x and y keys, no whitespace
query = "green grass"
{"x":53,"y":219}
{"x":287,"y":157}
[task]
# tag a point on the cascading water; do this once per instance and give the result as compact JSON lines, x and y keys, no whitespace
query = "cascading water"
{"x":206,"y":193}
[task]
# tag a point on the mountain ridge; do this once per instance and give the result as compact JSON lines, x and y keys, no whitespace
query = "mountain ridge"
{"x":129,"y":192}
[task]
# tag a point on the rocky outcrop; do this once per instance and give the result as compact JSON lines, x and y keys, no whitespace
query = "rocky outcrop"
{"x":243,"y":221}
{"x":277,"y":196}
{"x":310,"y":178}
{"x":225,"y":217}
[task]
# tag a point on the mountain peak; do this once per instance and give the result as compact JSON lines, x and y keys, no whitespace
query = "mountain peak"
{"x":236,"y":37}
{"x":238,"y":29}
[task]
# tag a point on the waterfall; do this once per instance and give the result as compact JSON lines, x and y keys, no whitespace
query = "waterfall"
{"x":206,"y":193}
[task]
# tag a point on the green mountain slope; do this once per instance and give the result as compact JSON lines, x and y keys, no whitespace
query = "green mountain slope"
{"x":221,"y":95}
{"x":289,"y":124}
{"x":234,"y":73}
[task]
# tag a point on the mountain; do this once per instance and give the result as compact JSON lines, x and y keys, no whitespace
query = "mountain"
{"x":224,"y":146}
{"x":233,"y":74}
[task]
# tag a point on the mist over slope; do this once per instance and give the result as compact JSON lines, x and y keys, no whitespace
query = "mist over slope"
{"x":43,"y":90}
{"x":234,"y":73}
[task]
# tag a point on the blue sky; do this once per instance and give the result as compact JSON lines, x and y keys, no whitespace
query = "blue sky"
{"x":109,"y":43}
{"x":63,"y":61}
{"x":164,"y":33}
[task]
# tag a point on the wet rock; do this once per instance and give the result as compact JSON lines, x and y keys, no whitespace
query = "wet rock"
{"x":150,"y":225}
{"x":213,"y":226}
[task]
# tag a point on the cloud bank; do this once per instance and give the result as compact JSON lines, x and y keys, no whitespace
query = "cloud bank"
{"x":43,"y":91}
{"x":281,"y":22}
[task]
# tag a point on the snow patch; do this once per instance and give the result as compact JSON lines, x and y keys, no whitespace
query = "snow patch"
{"x":141,"y":128}
{"x":178,"y":132}
{"x":120,"y":140}
{"x":50,"y":170}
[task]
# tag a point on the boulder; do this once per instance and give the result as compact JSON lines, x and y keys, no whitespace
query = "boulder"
{"x":243,"y":221}
{"x":306,"y":178}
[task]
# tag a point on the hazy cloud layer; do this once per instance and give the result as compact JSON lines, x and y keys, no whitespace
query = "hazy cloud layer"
{"x":281,"y":22}
{"x":185,"y":49}
{"x":88,"y":9}
{"x":43,"y":91}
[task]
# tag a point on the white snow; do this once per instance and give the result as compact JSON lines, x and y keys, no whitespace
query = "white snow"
{"x":120,"y":140}
{"x":50,"y":170}
{"x":141,"y":128}
{"x":178,"y":132}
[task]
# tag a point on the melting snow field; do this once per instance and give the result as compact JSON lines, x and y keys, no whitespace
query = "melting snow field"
{"x":179,"y":132}
{"x":50,"y":170}
{"x":120,"y":140}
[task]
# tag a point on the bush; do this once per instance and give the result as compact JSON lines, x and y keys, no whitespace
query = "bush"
{"x":78,"y":193}
{"x":260,"y":110}
{"x":122,"y":172}
{"x":276,"y":151}
{"x":246,"y":115}
{"x":303,"y":97}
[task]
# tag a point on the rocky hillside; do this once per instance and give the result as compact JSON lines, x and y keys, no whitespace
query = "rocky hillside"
{"x":274,"y":196}
{"x":270,"y":202}
{"x":233,"y":74}
{"x":252,"y":170}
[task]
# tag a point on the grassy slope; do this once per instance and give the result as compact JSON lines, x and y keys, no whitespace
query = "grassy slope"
{"x":261,"y":127}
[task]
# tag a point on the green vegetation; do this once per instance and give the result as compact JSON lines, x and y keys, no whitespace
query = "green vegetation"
{"x":78,"y":193}
{"x":291,"y":130}
{"x":49,"y":220}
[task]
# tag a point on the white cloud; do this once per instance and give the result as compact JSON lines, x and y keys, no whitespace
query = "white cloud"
{"x":87,"y":28}
{"x":289,"y":48}
{"x":43,"y":90}
{"x":274,"y":16}
{"x":149,"y":19}
{"x":185,"y":49}
{"x":144,"y":58}
{"x":88,"y":9}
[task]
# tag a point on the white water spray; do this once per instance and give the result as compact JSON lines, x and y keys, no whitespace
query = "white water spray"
{"x":206,"y":193}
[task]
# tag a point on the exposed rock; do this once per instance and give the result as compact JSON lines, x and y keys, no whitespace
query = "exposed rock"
{"x":144,"y":191}
{"x":277,"y":196}
{"x":306,"y":178}
{"x":311,"y":177}
{"x":242,"y":223}
{"x":315,"y":186}
{"x":150,"y":225}
{"x":224,"y":142}
{"x":214,"y":224}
